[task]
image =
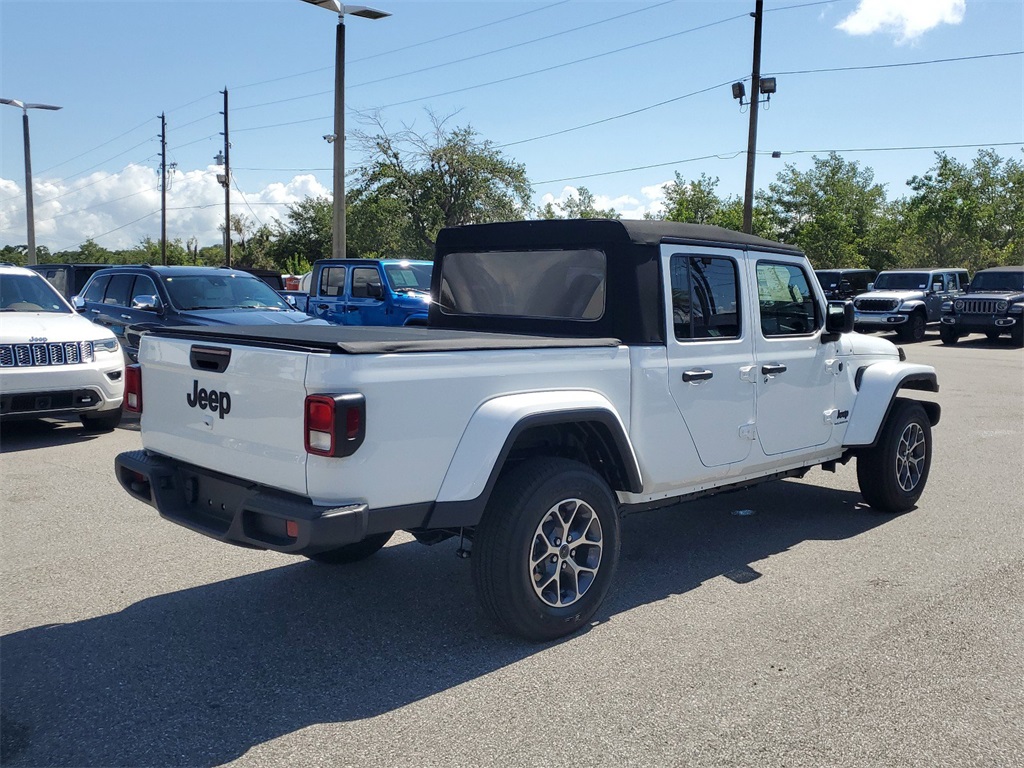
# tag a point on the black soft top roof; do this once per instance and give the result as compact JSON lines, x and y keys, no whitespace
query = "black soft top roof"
{"x":634,"y":304}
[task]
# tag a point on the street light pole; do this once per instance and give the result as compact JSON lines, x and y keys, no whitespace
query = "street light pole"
{"x":755,"y":77}
{"x":338,"y":139}
{"x":29,"y":207}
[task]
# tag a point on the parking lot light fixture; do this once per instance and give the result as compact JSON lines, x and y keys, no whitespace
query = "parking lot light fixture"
{"x":363,"y":11}
{"x":29,"y":211}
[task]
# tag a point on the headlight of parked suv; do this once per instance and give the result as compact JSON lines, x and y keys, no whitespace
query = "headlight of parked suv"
{"x":1018,"y":308}
{"x":105,"y":345}
{"x":947,"y":306}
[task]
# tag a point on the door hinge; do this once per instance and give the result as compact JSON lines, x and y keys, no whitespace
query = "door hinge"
{"x":749,"y":431}
{"x":835,"y":367}
{"x":748,"y":373}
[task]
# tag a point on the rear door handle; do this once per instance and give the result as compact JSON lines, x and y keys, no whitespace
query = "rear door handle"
{"x":323,"y":307}
{"x":351,"y":309}
{"x":126,"y":317}
{"x":771,"y":369}
{"x":694,"y":376}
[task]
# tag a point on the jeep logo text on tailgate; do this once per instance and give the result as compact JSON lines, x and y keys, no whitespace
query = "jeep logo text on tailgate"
{"x":209,"y":398}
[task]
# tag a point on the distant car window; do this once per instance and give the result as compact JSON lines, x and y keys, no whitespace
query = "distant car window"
{"x":998,"y":281}
{"x":29,"y":293}
{"x":332,"y":281}
{"x":705,"y":299}
{"x":118,"y":290}
{"x":361,"y":278}
{"x":58,"y":278}
{"x":902,"y":281}
{"x":222,"y":291}
{"x":787,"y":306}
{"x":413,"y":276}
{"x":96,"y":289}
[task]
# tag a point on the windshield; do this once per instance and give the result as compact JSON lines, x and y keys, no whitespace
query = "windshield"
{"x":410,"y":276}
{"x":902,"y":281}
{"x":998,"y":281}
{"x":222,"y":291}
{"x":29,"y":293}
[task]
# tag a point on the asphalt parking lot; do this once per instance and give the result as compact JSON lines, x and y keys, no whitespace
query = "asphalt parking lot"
{"x":813,"y":632}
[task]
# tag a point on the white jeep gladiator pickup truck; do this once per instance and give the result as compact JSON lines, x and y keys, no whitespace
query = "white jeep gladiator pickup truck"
{"x":572,"y":371}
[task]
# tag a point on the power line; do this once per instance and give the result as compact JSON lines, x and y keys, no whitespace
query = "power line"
{"x":98,"y":146}
{"x":901,"y":64}
{"x":731,"y":156}
{"x":405,"y":48}
{"x":100,"y":205}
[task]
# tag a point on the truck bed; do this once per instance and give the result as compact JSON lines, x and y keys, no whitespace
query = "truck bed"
{"x":373,"y":340}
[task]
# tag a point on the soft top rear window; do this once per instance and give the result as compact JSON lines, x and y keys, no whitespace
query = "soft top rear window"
{"x":555,"y":284}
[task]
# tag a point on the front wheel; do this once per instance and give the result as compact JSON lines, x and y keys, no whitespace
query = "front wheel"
{"x":1017,"y":334}
{"x":948,"y":334}
{"x":913,"y":330}
{"x":893,"y":473}
{"x":353,"y":553}
{"x":546,"y":549}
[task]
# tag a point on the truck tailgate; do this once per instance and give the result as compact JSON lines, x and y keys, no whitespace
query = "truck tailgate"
{"x":230,"y":408}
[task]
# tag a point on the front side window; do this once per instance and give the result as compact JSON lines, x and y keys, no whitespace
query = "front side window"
{"x":144,"y":286}
{"x":557,"y":284}
{"x":361,"y":278}
{"x":785,"y":300}
{"x":705,"y":298}
{"x":96,"y":289}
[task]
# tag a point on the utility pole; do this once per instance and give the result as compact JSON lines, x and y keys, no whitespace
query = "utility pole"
{"x":227,"y":183}
{"x":755,"y":79}
{"x":163,"y":189}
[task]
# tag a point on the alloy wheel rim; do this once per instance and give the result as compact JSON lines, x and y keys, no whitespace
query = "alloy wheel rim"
{"x":910,"y":456}
{"x":566,"y":553}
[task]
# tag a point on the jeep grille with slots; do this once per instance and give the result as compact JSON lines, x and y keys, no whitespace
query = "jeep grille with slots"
{"x":876,"y":305}
{"x":981,"y":306}
{"x":36,"y":355}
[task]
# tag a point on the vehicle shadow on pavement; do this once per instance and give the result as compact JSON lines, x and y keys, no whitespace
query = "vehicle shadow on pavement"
{"x":202,"y":675}
{"x":18,"y":436}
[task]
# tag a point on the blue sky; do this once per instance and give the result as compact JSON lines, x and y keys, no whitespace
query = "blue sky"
{"x":115,"y":66}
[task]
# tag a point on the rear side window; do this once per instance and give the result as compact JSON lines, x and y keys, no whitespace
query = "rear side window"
{"x":119,"y":289}
{"x":705,"y":298}
{"x":332,"y":281}
{"x":555,"y":284}
{"x":786,"y":303}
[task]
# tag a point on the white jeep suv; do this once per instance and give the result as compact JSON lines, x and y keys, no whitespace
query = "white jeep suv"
{"x":53,"y":361}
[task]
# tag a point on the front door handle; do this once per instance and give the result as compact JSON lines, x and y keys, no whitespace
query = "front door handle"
{"x":772,"y":369}
{"x":694,"y":376}
{"x":322,"y":307}
{"x":126,"y":317}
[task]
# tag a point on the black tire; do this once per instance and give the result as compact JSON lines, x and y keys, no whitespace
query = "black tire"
{"x":913,"y":330}
{"x":520,"y":560}
{"x":948,"y":335}
{"x":992,"y":335}
{"x":1017,"y":334}
{"x":353,"y":553}
{"x":101,"y":423}
{"x":893,"y":473}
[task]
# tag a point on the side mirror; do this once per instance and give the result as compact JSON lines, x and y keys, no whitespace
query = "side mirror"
{"x":78,"y":303}
{"x":936,"y":287}
{"x":838,"y":320}
{"x":375,"y":290}
{"x":871,"y":287}
{"x":146,"y":303}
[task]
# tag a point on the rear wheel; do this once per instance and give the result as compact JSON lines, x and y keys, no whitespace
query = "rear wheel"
{"x":913,"y":329}
{"x":353,"y":553}
{"x":546,"y":549}
{"x":892,"y":475}
{"x":948,"y":334}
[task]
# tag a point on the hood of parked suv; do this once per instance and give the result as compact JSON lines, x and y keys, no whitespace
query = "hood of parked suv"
{"x":864,"y":344}
{"x":42,"y":327}
{"x":897,"y":295}
{"x":1010,"y":297}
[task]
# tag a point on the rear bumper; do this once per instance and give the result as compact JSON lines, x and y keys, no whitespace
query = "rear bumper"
{"x":242,"y":513}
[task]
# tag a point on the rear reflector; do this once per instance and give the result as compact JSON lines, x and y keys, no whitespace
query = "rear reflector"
{"x":133,"y":388}
{"x":335,"y":425}
{"x":291,"y":527}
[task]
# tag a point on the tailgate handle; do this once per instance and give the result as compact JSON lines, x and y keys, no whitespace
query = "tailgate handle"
{"x":214,"y":359}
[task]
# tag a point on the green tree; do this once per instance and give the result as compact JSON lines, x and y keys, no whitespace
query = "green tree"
{"x":411,"y":185}
{"x":698,"y":202}
{"x":829,"y":211}
{"x":578,"y":205}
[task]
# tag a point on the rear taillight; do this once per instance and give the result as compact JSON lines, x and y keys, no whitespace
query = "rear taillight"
{"x":133,"y":388}
{"x":335,"y":425}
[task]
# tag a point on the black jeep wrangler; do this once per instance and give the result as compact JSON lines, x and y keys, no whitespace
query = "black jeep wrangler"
{"x":993,"y":306}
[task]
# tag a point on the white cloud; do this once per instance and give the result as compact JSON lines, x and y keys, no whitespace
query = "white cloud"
{"x":907,"y":19}
{"x":121,"y":209}
{"x":628,"y":206}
